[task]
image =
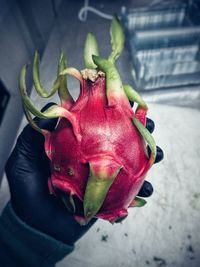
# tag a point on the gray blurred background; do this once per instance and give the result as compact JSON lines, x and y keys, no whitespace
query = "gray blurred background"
{"x":161,"y":60}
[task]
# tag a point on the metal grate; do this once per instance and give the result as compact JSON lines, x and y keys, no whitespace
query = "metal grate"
{"x":164,"y":44}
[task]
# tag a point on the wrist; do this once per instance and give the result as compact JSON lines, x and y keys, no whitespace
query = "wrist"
{"x":31,"y":246}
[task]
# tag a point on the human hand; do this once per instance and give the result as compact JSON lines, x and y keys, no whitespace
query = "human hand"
{"x":27,"y":171}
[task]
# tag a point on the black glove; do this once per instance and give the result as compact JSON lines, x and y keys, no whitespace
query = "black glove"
{"x":27,"y":171}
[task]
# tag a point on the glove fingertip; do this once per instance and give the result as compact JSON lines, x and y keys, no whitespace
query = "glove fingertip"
{"x":150,"y":125}
{"x":146,"y":190}
{"x":159,"y":154}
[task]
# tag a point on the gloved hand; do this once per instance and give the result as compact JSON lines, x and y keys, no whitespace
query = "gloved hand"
{"x":27,"y":171}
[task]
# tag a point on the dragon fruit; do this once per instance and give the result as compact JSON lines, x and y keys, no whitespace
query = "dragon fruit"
{"x":97,"y":151}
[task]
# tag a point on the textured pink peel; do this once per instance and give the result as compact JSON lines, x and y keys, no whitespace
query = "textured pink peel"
{"x":107,"y":133}
{"x":140,"y":114}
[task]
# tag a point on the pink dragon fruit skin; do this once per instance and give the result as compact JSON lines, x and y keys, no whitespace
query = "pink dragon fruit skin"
{"x":98,"y":150}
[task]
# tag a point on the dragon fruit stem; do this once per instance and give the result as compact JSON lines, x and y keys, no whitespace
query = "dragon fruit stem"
{"x":52,"y":112}
{"x":103,"y":172}
{"x":90,"y":48}
{"x":137,"y":202}
{"x":36,"y":79}
{"x":114,"y":88}
{"x":68,"y":202}
{"x":63,"y":92}
{"x":117,"y":39}
{"x":148,"y":138}
{"x":74,"y":72}
{"x":32,"y":123}
{"x":142,"y":108}
{"x":134,"y":96}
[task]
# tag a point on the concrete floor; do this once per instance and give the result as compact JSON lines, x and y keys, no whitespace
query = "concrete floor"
{"x":166,"y":232}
